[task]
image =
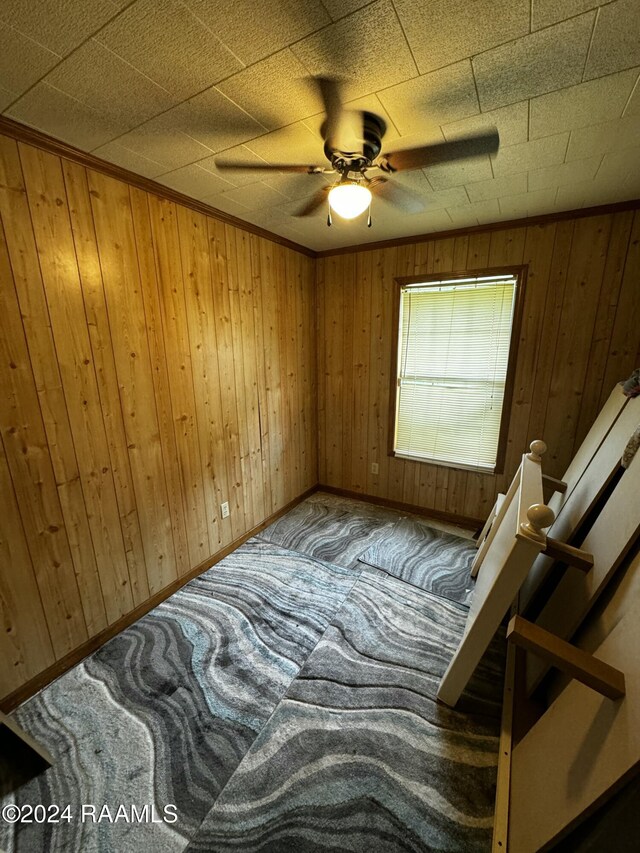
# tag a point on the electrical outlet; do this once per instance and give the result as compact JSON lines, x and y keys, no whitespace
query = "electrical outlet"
{"x":375,"y":468}
{"x":224,"y":509}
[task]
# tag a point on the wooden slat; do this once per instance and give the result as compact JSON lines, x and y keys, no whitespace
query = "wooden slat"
{"x":25,"y":644}
{"x":90,"y":273}
{"x":111,"y":207}
{"x":56,"y":252}
{"x":580,"y":751}
{"x":582,"y":666}
{"x":569,"y":555}
{"x":175,"y":335}
{"x":609,"y":540}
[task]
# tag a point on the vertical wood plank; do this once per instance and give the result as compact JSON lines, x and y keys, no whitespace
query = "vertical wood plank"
{"x":113,"y":219}
{"x":56,"y":252}
{"x":98,"y":325}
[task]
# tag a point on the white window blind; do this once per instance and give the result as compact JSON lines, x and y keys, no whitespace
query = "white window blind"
{"x":453,"y":353}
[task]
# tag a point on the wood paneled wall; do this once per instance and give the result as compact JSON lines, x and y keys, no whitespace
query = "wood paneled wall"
{"x":153,"y":363}
{"x":580,"y":335}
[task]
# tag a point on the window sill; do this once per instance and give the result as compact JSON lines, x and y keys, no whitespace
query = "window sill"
{"x":476,"y":469}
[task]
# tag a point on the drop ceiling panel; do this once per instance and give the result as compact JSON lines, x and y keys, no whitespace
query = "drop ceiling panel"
{"x":443,"y":31}
{"x":215,"y":121}
{"x":22,"y":61}
{"x":98,"y":78}
{"x":498,"y":187}
{"x":447,"y":175}
{"x":426,"y":102}
{"x":541,"y":62}
{"x":116,"y":153}
{"x":547,"y":12}
{"x":163,"y":40}
{"x":195,"y":182}
{"x":564,"y":173}
{"x":60,"y":25}
{"x":603,"y":138}
{"x":368,"y":50}
{"x":616,"y":40}
{"x":166,"y":88}
{"x":582,"y":105}
{"x":46,"y":108}
{"x":530,"y":155}
{"x":254,"y":29}
{"x":275,"y":91}
{"x":162,"y":140}
{"x":512,"y":123}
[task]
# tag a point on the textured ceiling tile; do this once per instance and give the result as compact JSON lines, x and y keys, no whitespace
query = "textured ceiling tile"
{"x":255,"y":196}
{"x":161,"y":140}
{"x":339,"y":8}
{"x":296,"y":186}
{"x":237,"y":178}
{"x":194,"y":181}
{"x":443,"y":31}
{"x":227,"y":205}
{"x":275,"y":91}
{"x":166,"y":42}
{"x":616,"y":40}
{"x":528,"y":204}
{"x":109,"y":85}
{"x":55,"y":113}
{"x":512,"y":123}
{"x":253,"y":29}
{"x":602,"y":138}
{"x":541,"y":62}
{"x":578,"y":106}
{"x":530,"y":155}
{"x":59,"y":25}
{"x":367,"y":50}
{"x":434,"y":99}
{"x":215,"y":121}
{"x":22,"y":61}
{"x":498,"y":187}
{"x":621,"y":168}
{"x":446,"y":175}
{"x":6,"y":98}
{"x":474,"y":213}
{"x":633,"y":107}
{"x":564,"y":173}
{"x":295,"y":144}
{"x":547,"y":12}
{"x":572,"y":196}
{"x":370,"y":103}
{"x":121,"y":156}
{"x":447,"y":198}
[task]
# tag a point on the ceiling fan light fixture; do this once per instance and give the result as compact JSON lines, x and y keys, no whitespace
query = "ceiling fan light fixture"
{"x":349,"y":199}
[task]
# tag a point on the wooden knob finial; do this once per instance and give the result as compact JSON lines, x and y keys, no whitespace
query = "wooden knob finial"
{"x":540,"y":516}
{"x":538,"y":448}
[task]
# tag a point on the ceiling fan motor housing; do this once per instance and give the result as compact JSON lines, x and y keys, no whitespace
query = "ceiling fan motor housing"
{"x":373,"y":129}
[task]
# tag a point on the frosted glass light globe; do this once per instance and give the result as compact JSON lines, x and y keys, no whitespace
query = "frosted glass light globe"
{"x":349,"y":200}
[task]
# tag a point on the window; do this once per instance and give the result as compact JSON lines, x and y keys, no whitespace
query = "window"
{"x":455,"y":356}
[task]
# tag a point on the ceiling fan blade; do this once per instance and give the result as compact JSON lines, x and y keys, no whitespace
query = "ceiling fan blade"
{"x":404,"y":198}
{"x":269,"y":167}
{"x":343,"y":130}
{"x":314,"y":202}
{"x":441,"y":152}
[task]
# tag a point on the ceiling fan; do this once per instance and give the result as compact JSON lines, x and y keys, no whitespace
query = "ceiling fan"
{"x":353,"y":147}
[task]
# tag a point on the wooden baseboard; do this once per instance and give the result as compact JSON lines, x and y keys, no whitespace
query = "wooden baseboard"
{"x":424,"y":512}
{"x":8,"y":703}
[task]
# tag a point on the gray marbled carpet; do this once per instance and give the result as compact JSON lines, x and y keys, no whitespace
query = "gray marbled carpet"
{"x":281,"y":702}
{"x":427,"y":558}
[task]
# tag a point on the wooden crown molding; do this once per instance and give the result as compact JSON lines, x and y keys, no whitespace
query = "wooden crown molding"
{"x":22,"y":133}
{"x":543,"y":219}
